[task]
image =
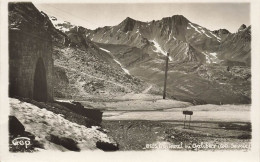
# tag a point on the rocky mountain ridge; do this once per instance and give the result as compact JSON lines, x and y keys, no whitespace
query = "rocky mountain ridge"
{"x":171,"y":33}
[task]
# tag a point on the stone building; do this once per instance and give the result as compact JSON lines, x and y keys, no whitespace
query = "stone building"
{"x":30,"y":53}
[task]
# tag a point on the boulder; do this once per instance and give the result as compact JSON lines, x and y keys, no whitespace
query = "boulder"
{"x":68,"y":143}
{"x":105,"y":146}
{"x":15,"y":126}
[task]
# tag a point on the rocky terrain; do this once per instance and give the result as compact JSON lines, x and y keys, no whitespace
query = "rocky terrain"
{"x":144,"y":135}
{"x":83,"y":69}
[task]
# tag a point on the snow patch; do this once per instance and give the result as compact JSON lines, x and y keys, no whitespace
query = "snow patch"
{"x":104,"y":50}
{"x":214,"y":54}
{"x":211,"y":57}
{"x":207,"y":58}
{"x":195,"y":28}
{"x":57,"y":24}
{"x":199,"y":29}
{"x":159,"y":49}
{"x":125,"y":70}
{"x":170,"y":36}
{"x":42,"y":123}
{"x":15,"y":28}
{"x":203,"y":31}
{"x":218,"y":38}
{"x":67,"y":101}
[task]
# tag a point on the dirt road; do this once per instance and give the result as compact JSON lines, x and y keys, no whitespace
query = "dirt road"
{"x":146,"y":122}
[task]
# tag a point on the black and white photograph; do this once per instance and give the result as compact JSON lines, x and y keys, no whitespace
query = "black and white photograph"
{"x":129,"y":77}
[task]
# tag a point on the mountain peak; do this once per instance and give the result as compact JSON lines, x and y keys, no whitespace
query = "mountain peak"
{"x":221,"y":32}
{"x":179,"y":17}
{"x":128,"y":24}
{"x":242,"y":27}
{"x":176,"y":20}
{"x":129,"y":19}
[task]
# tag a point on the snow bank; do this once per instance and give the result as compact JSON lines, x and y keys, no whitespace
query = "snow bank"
{"x":42,"y":123}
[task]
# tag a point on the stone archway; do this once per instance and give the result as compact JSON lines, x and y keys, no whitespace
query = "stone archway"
{"x":40,"y":82}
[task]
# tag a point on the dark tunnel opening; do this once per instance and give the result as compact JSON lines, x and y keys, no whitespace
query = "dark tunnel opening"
{"x":40,"y":82}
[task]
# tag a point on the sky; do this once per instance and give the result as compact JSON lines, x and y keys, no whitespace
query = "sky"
{"x":210,"y":15}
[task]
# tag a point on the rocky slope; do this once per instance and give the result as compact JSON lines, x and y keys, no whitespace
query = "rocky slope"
{"x":83,"y":69}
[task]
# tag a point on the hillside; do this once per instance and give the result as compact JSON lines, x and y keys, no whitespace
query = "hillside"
{"x":83,"y":69}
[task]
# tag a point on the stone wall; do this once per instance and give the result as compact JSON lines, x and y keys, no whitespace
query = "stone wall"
{"x":27,"y":48}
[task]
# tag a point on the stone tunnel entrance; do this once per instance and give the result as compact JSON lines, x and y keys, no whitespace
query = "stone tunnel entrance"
{"x":40,"y":82}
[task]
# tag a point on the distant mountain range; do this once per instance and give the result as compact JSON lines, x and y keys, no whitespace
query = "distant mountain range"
{"x":204,"y":66}
{"x":186,"y":41}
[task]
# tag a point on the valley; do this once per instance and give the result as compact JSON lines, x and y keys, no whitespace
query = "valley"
{"x":147,"y":122}
{"x":106,"y":85}
{"x":209,"y":73}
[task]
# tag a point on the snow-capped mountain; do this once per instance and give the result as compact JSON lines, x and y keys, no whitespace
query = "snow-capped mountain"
{"x":204,"y":66}
{"x":175,"y":34}
{"x":61,"y":25}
